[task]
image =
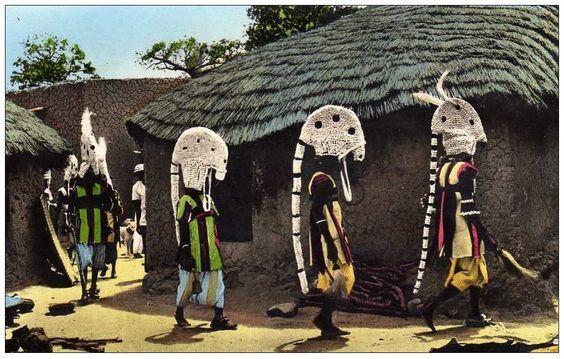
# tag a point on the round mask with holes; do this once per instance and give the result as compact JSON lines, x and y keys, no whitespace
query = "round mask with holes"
{"x":198,"y":151}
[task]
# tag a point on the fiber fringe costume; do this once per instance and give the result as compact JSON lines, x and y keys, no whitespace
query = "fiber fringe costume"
{"x":200,"y":153}
{"x":331,"y":131}
{"x":90,"y":197}
{"x":460,"y":233}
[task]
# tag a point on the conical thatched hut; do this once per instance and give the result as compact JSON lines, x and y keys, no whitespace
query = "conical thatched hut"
{"x":31,"y":148}
{"x":504,"y":60}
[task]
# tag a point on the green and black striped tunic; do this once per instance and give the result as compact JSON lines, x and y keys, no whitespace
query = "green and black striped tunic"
{"x":90,"y":198}
{"x":198,"y":229}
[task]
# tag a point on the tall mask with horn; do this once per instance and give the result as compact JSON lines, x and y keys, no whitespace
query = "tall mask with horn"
{"x":88,"y":145}
{"x":461,"y":129}
{"x":200,"y":154}
{"x":331,"y":131}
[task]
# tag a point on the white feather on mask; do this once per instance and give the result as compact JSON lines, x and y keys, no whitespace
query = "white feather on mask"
{"x":88,"y":146}
{"x":101,"y":159}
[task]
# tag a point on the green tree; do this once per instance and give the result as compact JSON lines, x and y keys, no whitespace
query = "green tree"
{"x":49,"y":59}
{"x":271,"y":23}
{"x":189,"y":55}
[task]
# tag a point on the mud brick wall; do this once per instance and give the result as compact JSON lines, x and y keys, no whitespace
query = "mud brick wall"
{"x":24,"y":230}
{"x":517,"y":192}
{"x":112,"y":101}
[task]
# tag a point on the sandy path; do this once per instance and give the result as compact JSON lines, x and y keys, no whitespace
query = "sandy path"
{"x":145,"y":323}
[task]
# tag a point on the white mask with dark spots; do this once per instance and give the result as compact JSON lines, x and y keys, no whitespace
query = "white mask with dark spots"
{"x":456,"y":120}
{"x":199,"y":153}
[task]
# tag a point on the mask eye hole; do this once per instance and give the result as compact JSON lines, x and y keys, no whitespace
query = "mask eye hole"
{"x":336,"y":118}
{"x":472,"y":122}
{"x":457,"y":107}
{"x":351,"y":131}
{"x":443,"y":119}
{"x":92,"y":147}
{"x":318,"y":124}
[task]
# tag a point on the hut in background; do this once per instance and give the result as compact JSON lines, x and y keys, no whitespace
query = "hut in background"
{"x":31,"y":148}
{"x":61,"y":105}
{"x":503,"y":60}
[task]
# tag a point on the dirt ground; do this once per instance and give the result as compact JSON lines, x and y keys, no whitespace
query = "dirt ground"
{"x":146,"y":324}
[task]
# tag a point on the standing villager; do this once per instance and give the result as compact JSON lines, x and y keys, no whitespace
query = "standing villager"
{"x":138,"y":199}
{"x":90,"y":198}
{"x":126,"y":233}
{"x":201,"y":154}
{"x":65,"y":220}
{"x":460,"y":232}
{"x":331,"y":131}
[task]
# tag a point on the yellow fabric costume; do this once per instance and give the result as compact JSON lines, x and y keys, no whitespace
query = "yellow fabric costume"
{"x":468,"y":264}
{"x":334,"y":235}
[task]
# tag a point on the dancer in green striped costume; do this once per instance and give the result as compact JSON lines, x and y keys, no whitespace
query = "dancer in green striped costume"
{"x":200,"y":153}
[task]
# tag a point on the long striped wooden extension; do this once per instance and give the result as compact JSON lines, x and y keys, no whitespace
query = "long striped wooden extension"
{"x":296,"y":215}
{"x":428,"y":212}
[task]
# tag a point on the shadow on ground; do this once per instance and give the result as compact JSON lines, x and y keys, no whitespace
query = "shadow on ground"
{"x":179,"y":335}
{"x":316,"y":344}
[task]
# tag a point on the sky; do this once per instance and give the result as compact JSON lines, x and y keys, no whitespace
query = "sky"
{"x":111,"y":35}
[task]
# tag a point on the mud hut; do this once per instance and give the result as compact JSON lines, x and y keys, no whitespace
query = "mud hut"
{"x":31,"y":148}
{"x":504,"y":60}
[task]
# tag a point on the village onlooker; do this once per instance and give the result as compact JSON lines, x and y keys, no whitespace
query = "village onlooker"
{"x":137,"y":247}
{"x":138,"y":198}
{"x":126,"y":233}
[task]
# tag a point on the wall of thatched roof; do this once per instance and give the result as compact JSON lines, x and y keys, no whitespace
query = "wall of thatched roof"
{"x":370,"y":61}
{"x":27,"y":136}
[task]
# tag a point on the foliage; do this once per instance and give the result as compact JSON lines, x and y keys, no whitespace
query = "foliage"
{"x":271,"y":23}
{"x":49,"y":59}
{"x":189,"y":55}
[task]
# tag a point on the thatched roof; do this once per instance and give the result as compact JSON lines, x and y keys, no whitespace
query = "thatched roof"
{"x":370,"y":61}
{"x":27,"y":136}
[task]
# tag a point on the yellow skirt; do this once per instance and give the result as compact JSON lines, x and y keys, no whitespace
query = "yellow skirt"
{"x":467,"y":272}
{"x":324,"y":281}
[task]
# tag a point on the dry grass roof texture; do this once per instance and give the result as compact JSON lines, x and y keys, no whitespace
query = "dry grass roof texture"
{"x":28,"y":136}
{"x":371,"y":62}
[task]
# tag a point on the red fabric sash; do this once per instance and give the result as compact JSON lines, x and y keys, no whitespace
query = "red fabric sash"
{"x":441,"y":224}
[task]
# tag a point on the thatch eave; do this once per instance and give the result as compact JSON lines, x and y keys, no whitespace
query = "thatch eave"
{"x":29,"y":139}
{"x":370,"y":61}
